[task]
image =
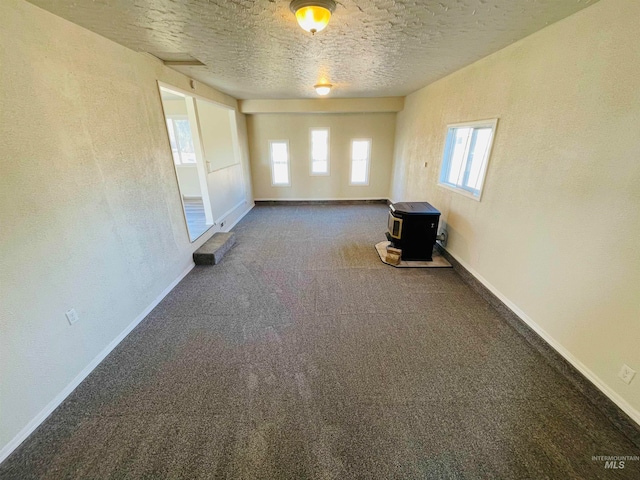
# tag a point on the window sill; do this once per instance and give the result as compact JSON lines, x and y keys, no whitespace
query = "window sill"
{"x":460,"y":191}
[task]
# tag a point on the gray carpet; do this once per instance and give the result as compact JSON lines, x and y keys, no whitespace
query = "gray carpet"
{"x":303,"y":356}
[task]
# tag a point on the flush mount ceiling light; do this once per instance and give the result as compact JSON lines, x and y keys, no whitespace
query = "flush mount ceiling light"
{"x":323,"y":88}
{"x":313,"y":15}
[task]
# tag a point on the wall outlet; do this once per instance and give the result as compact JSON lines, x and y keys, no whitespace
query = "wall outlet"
{"x":626,"y":374}
{"x":72,"y":316}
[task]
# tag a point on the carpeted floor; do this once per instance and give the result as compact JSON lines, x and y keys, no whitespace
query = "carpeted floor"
{"x":303,"y":356}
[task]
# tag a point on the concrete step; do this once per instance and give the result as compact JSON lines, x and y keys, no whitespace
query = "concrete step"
{"x":212,"y":251}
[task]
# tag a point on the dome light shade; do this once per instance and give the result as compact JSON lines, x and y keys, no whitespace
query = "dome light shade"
{"x":313,"y":19}
{"x":313,"y":15}
{"x":323,"y":88}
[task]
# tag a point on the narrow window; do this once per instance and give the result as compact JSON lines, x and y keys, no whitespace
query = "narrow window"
{"x":466,"y":157}
{"x":181,"y":140}
{"x":279,"y":151}
{"x":360,"y":159}
{"x":319,"y":151}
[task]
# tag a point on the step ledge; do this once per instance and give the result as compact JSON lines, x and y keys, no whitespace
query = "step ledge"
{"x":212,"y":251}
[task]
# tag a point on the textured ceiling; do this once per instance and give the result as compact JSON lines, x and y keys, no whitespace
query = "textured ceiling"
{"x":371,"y":48}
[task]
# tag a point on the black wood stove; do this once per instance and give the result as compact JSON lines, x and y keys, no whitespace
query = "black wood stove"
{"x":413,"y":227}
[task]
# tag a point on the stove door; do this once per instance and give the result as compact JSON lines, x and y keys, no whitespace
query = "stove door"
{"x":395,"y":227}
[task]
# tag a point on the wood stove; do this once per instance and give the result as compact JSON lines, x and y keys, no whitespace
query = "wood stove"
{"x":412,"y":228}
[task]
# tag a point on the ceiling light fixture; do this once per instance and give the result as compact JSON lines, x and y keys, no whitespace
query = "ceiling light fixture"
{"x":313,"y":15}
{"x":323,"y":88}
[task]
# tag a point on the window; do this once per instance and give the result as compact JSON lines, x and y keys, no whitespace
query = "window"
{"x":279,"y":151}
{"x":360,"y":159}
{"x":181,"y":140}
{"x":466,"y":156}
{"x":319,"y":151}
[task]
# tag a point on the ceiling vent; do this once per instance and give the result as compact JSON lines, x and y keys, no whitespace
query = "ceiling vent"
{"x":177,"y":59}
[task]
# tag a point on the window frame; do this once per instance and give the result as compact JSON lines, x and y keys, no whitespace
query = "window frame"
{"x":368,"y":170}
{"x":489,"y":123}
{"x":273,"y":183}
{"x":311,"y":172}
{"x":173,"y":119}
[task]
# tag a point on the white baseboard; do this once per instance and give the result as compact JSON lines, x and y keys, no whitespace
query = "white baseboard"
{"x":241,"y":216}
{"x":316,"y":199}
{"x":53,"y":404}
{"x":230,"y":211}
{"x":583,"y":369}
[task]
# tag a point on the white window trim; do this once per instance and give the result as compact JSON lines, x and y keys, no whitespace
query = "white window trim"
{"x":368,"y":172}
{"x":493,"y":123}
{"x":328,"y":172}
{"x":173,"y":118}
{"x":273,"y":184}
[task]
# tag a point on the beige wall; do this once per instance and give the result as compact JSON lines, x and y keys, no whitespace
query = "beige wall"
{"x":175,"y":107}
{"x":189,"y":181}
{"x":90,"y":213}
{"x":216,"y":123}
{"x":380,"y":127}
{"x":225,"y":173}
{"x":556,"y":233}
{"x":323,"y":105}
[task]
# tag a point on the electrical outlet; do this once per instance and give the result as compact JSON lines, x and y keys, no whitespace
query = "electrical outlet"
{"x":72,"y":316}
{"x":626,"y":374}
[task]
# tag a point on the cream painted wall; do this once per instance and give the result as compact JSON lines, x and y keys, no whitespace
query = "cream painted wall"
{"x":225,"y":173}
{"x":175,"y":107}
{"x":217,"y":136}
{"x":556,"y":233}
{"x":189,"y":182}
{"x":90,"y":212}
{"x":323,"y":105}
{"x":380,"y":127}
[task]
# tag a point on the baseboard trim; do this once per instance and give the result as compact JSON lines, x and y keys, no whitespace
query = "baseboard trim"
{"x":229,"y":212}
{"x":617,"y":410}
{"x":321,"y":201}
{"x":58,"y":399}
{"x":228,"y":229}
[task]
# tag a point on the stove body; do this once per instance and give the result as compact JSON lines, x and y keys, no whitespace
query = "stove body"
{"x":413,"y":227}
